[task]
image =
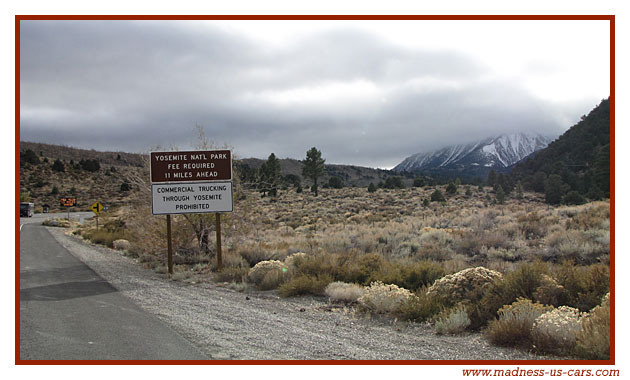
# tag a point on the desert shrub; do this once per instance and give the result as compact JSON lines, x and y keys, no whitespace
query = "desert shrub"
{"x":304,"y":284}
{"x":232,"y":274}
{"x":267,"y":274}
{"x":556,"y":331}
{"x":420,"y":308}
{"x":593,"y":341}
{"x":412,"y":276}
{"x":532,"y":225}
{"x":549,"y":292}
{"x":292,"y":261}
{"x":513,"y":328}
{"x":452,"y":321}
{"x":383,"y":298}
{"x":585,"y":285}
{"x":103,"y":236}
{"x":231,"y":259}
{"x":463,"y":284}
{"x":121,"y":244}
{"x":343,"y":292}
{"x":522,"y":282}
{"x":257,"y":253}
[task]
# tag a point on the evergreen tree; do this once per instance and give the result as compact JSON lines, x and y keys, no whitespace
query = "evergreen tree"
{"x":519,"y":190}
{"x":58,"y":166}
{"x":451,"y":188}
{"x":492,"y":178}
{"x":500,"y":196}
{"x":418,"y":182}
{"x":29,"y":157}
{"x":437,"y":196}
{"x":554,"y":189}
{"x":313,"y":167}
{"x":270,"y":173}
{"x":371,"y":188}
{"x":335,"y":182}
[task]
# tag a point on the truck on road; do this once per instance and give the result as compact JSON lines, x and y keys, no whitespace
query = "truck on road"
{"x":26,"y":209}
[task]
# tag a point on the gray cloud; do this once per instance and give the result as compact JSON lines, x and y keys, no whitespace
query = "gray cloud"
{"x":132,"y":85}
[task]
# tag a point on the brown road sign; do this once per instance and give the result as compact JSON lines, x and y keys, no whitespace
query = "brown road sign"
{"x":191,"y":166}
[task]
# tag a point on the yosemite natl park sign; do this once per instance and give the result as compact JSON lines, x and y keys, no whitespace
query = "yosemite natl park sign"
{"x":191,"y":182}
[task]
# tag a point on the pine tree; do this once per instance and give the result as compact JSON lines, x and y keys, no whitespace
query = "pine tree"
{"x":371,"y":188}
{"x":500,"y":195}
{"x":313,"y":167}
{"x":270,"y":174}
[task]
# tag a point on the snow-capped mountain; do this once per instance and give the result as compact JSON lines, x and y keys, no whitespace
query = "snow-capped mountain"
{"x":492,"y":153}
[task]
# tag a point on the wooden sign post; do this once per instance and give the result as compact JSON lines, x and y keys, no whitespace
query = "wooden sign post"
{"x":189,"y":182}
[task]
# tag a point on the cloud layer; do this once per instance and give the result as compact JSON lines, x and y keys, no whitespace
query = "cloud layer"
{"x":359,"y":98}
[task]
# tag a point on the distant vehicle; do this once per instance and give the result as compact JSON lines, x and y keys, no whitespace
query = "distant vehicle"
{"x":26,"y":209}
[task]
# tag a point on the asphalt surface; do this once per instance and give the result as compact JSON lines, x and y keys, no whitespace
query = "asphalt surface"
{"x":67,"y":311}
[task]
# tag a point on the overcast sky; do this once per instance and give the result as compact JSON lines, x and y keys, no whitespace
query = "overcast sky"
{"x":365,"y":93}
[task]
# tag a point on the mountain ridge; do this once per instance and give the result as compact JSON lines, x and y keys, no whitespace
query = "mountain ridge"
{"x":498,"y":153}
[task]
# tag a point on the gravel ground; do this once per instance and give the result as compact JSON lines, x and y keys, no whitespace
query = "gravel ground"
{"x":226,"y":324}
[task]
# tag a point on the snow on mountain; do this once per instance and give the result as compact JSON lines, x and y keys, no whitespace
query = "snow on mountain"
{"x":495,"y":152}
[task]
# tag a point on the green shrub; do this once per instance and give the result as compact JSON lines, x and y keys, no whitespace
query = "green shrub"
{"x":104,"y":236}
{"x":585,"y":285}
{"x":420,"y":308}
{"x":305,"y":284}
{"x":522,"y":282}
{"x":412,"y":276}
{"x":232,"y":274}
{"x":513,"y":328}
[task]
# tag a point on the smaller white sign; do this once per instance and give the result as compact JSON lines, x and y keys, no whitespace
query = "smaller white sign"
{"x":192,"y":197}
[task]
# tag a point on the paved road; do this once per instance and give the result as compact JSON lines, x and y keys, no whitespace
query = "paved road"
{"x":68,"y":312}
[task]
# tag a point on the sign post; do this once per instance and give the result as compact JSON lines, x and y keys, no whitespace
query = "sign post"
{"x":187,"y":182}
{"x":68,"y":202}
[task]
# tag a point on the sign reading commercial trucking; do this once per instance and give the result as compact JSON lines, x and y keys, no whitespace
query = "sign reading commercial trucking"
{"x":191,"y":182}
{"x":192,"y":197}
{"x":191,"y":166}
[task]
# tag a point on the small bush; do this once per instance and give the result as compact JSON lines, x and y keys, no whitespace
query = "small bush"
{"x":420,"y":308}
{"x":452,"y":321}
{"x":267,"y":275}
{"x":381,"y":298}
{"x":121,"y":244}
{"x":462,"y":285}
{"x":343,"y":292}
{"x":593,"y":341}
{"x":292,"y":261}
{"x":522,"y":282}
{"x":305,"y":284}
{"x":232,"y":275}
{"x":103,"y":236}
{"x":556,"y":331}
{"x":513,"y":328}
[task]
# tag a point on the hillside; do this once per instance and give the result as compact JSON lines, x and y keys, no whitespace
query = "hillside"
{"x":90,"y":182}
{"x":578,"y":161}
{"x":88,"y":175}
{"x":353,"y":176}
